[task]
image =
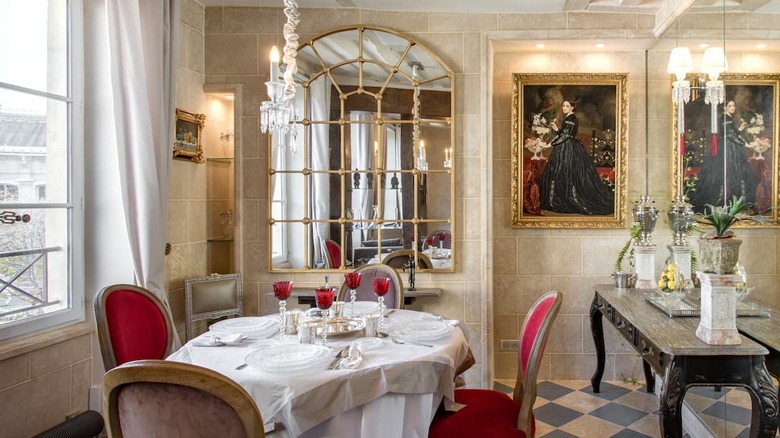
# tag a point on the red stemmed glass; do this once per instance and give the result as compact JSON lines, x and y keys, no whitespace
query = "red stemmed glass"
{"x":323,"y":296}
{"x":282,"y":291}
{"x":353,"y":282}
{"x":380,"y":289}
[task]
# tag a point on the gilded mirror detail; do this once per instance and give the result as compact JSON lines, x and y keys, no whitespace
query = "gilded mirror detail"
{"x":373,"y":179}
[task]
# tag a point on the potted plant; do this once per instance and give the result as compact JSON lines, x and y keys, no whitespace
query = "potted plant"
{"x":625,"y":279}
{"x":719,"y":248}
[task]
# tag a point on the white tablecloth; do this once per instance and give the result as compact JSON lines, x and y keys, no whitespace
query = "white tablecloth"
{"x":396,"y":386}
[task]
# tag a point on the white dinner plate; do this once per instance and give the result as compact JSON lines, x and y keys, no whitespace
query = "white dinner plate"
{"x":421,"y":330}
{"x":253,"y":326}
{"x":368,"y":344}
{"x":361,"y":308}
{"x":286,"y":358}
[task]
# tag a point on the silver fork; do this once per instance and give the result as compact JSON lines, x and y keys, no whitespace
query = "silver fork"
{"x":340,"y":355}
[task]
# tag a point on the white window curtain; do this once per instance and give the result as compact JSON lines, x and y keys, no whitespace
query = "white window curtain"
{"x":143,"y":46}
{"x":320,"y":156}
{"x":362,"y":134}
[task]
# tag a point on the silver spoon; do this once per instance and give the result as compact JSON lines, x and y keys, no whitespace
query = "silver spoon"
{"x":398,"y":341}
{"x":242,"y":366}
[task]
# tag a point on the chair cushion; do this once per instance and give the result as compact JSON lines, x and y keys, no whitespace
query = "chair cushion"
{"x":487,"y":414}
{"x":138,"y":329}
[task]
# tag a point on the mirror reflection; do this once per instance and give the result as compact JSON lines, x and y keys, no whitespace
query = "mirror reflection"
{"x":724,"y":103}
{"x":373,"y":177}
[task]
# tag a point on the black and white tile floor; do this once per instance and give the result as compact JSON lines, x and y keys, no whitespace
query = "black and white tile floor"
{"x":622,"y":410}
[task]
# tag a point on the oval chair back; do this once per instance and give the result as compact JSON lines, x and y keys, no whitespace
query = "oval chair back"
{"x":400,"y":257}
{"x":148,"y":398}
{"x":333,"y":252}
{"x":394,"y":299}
{"x":132,"y":324}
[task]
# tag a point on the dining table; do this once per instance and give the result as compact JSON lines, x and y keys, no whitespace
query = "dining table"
{"x":394,"y":391}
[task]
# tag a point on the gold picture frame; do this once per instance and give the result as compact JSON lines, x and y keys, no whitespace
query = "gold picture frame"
{"x":188,"y":132}
{"x":756,"y":97}
{"x":601,"y":110}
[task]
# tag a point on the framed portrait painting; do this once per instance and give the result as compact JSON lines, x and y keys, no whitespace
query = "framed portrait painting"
{"x":733,"y":150}
{"x":187,"y":143}
{"x":569,"y":141}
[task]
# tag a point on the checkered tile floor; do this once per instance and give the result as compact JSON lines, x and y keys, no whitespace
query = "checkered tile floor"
{"x":621,"y":410}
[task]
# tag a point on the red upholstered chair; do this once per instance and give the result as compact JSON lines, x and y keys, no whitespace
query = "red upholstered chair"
{"x":333,"y":253}
{"x":491,"y":413}
{"x":395,"y":293}
{"x":132,"y":324}
{"x":157,"y":398}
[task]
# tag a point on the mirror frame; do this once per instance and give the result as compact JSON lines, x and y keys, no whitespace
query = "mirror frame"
{"x":417,"y":177}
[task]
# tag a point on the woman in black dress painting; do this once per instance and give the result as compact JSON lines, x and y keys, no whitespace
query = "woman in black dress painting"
{"x":570,"y":182}
{"x":741,"y":182}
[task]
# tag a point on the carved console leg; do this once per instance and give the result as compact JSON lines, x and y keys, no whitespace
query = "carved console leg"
{"x":649,"y":377}
{"x":597,"y":330}
{"x":763,"y":422}
{"x":672,"y":396}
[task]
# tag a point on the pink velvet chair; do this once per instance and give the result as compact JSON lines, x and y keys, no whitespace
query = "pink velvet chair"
{"x":132,"y":324}
{"x":394,"y":299}
{"x":157,"y":398}
{"x":493,"y":413}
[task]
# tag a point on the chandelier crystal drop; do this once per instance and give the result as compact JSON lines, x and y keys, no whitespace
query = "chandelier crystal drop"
{"x":278,"y":114}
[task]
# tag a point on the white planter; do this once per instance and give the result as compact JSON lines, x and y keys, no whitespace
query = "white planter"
{"x":718,"y":324}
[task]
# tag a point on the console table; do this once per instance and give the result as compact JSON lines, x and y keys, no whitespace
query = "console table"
{"x":671,"y":348}
{"x":305,"y":295}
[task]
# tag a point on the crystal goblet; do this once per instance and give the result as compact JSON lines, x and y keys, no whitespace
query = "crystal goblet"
{"x":282,"y":291}
{"x":380,"y":289}
{"x":323,"y":296}
{"x":353,"y":282}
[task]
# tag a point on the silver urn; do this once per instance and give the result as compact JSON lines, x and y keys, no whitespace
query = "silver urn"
{"x":681,"y":220}
{"x":645,"y":214}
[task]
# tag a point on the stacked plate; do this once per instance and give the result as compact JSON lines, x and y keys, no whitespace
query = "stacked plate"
{"x":252,"y":326}
{"x":289,"y":357}
{"x":421,"y":330}
{"x":361,"y":308}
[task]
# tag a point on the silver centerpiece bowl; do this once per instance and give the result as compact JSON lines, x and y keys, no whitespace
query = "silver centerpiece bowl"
{"x":681,"y":220}
{"x":645,"y":214}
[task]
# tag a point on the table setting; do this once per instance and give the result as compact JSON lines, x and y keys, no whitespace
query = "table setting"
{"x":306,"y":385}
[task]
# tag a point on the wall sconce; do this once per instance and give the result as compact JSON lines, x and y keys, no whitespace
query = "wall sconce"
{"x":278,"y":114}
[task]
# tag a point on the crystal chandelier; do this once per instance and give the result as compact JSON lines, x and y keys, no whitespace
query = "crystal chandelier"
{"x":278,"y":114}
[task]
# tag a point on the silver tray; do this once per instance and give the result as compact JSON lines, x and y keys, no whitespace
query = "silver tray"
{"x":690,"y":306}
{"x":342,"y":326}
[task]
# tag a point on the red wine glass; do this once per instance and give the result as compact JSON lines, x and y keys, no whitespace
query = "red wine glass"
{"x":323,"y":296}
{"x":282,"y":291}
{"x":380,"y":289}
{"x":353,"y":282}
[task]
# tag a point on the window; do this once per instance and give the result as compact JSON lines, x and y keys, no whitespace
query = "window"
{"x":40,"y":145}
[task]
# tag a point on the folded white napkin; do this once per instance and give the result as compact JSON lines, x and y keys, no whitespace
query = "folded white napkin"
{"x":354,"y":358}
{"x":210,"y":340}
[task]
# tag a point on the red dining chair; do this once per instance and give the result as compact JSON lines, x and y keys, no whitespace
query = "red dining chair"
{"x":158,"y":398}
{"x":395,"y":293}
{"x":493,"y":413}
{"x":132,"y":324}
{"x":333,"y":251}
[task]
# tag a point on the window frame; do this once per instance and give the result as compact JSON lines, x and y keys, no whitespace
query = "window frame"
{"x":74,"y":247}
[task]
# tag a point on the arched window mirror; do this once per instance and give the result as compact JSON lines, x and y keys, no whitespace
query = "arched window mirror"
{"x":373,"y":173}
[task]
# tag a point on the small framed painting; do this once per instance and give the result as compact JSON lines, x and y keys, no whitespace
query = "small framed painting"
{"x":569,"y":143}
{"x":187,"y":144}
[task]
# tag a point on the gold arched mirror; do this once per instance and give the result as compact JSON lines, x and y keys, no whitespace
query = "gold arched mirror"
{"x":373,"y":172}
